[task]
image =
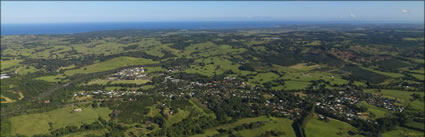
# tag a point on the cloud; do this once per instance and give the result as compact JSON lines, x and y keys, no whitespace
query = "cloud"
{"x":404,"y":11}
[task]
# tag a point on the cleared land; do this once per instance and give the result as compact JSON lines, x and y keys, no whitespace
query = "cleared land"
{"x":39,"y":123}
{"x":272,"y":123}
{"x":111,"y":64}
{"x":332,"y":128}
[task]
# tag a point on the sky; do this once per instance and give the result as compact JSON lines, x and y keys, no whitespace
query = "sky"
{"x":17,"y":12}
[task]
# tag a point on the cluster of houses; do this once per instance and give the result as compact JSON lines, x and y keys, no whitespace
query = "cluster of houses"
{"x":4,"y":76}
{"x":129,"y":74}
{"x":341,"y":103}
{"x":104,"y":93}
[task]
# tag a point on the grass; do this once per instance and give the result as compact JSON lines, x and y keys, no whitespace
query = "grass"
{"x":5,"y":126}
{"x":154,"y":69}
{"x":209,"y":49}
{"x":315,"y":43}
{"x":9,"y":63}
{"x":421,"y":71}
{"x":414,"y":124}
{"x":99,"y":132}
{"x":403,"y":132}
{"x":156,"y":50}
{"x":22,"y":70}
{"x":172,"y":119}
{"x":98,"y":82}
{"x":293,"y":84}
{"x":51,"y":78}
{"x":112,"y":88}
{"x":154,"y":111}
{"x":402,"y":96}
{"x":264,"y":77}
{"x":332,"y":128}
{"x":147,"y":87}
{"x":8,"y":99}
{"x":378,"y":112}
{"x":65,"y":68}
{"x":140,"y":81}
{"x":38,"y":123}
{"x":358,"y":83}
{"x":417,"y":105}
{"x":390,"y":74}
{"x":198,"y":106}
{"x":414,"y":39}
{"x":111,"y":64}
{"x":213,"y":65}
{"x":272,"y":123}
{"x":304,"y":67}
{"x":419,"y":76}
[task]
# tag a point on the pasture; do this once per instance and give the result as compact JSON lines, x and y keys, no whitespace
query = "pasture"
{"x":38,"y":123}
{"x":332,"y":128}
{"x":272,"y":123}
{"x":9,"y":63}
{"x":111,"y":64}
{"x":402,"y":96}
{"x":403,"y":132}
{"x":376,"y":111}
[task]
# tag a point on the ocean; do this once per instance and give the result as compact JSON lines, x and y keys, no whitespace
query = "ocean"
{"x":69,"y":28}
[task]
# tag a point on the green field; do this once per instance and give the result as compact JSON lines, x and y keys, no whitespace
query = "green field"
{"x":419,"y":76}
{"x":264,"y":77}
{"x":394,"y":75}
{"x":51,"y":78}
{"x":140,"y":81}
{"x":22,"y":70}
{"x":172,"y":119}
{"x":154,"y":69}
{"x":294,"y":84}
{"x":98,"y":82}
{"x":332,"y":128}
{"x":272,"y":123}
{"x":403,"y":132}
{"x":403,"y":96}
{"x":378,"y":112}
{"x":65,"y":68}
{"x":417,"y":105}
{"x":213,"y":65}
{"x":209,"y":49}
{"x":9,"y":63}
{"x":414,"y":39}
{"x":111,"y":64}
{"x":99,"y":132}
{"x":38,"y":123}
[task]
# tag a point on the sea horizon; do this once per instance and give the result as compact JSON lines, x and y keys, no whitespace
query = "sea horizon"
{"x":81,"y":27}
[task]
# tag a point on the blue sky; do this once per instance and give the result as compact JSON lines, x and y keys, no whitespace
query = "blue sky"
{"x":140,"y":11}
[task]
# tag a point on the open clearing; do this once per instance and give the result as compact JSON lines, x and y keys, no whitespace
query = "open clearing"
{"x":332,"y":128}
{"x":403,"y":132}
{"x":111,"y":64}
{"x":9,"y":63}
{"x":403,"y":96}
{"x":378,"y":112}
{"x":38,"y":123}
{"x":272,"y":123}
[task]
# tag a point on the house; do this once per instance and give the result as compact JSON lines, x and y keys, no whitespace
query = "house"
{"x":77,"y":110}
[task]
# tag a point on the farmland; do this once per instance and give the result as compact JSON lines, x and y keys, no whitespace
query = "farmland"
{"x":331,"y":128}
{"x":39,"y":123}
{"x":290,"y":81}
{"x":110,"y":65}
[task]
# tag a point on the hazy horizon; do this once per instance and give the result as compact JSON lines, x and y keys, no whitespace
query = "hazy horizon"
{"x":47,"y":12}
